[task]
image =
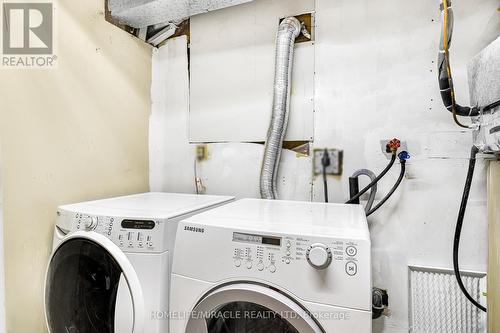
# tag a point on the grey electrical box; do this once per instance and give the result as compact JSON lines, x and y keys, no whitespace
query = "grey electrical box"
{"x":484,"y":85}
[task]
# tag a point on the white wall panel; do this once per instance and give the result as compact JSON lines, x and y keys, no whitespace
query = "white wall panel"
{"x":375,"y":79}
{"x":171,"y":161}
{"x":232,"y":73}
{"x":230,"y":167}
{"x":235,"y":168}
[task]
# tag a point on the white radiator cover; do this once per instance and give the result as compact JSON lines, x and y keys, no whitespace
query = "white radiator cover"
{"x":143,"y":13}
{"x":438,"y":305}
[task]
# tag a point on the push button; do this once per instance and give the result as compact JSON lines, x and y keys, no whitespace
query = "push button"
{"x":351,"y":268}
{"x":351,"y":251}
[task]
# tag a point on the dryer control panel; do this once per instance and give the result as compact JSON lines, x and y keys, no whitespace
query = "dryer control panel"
{"x":315,"y":268}
{"x":264,"y":253}
{"x":130,"y":235}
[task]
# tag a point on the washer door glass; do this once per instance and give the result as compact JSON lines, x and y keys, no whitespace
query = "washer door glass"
{"x":249,"y":308}
{"x":83,"y":282}
{"x":244,"y":317}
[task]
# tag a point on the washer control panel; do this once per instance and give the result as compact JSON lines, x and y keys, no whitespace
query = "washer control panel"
{"x":264,"y":253}
{"x":130,"y":235}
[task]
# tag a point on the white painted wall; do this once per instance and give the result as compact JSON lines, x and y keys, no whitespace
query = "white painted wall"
{"x":231,"y":167}
{"x":2,"y":263}
{"x":375,"y":78}
{"x":74,"y":133}
{"x":232,"y":75}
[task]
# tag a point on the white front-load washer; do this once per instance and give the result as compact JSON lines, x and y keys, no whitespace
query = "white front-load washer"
{"x":259,"y":266}
{"x":110,"y":267}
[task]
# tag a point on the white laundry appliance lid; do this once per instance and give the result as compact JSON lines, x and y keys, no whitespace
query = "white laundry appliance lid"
{"x":148,"y":205}
{"x":291,"y":217}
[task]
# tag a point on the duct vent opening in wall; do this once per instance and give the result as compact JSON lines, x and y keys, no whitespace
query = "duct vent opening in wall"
{"x":308,"y":26}
{"x":438,"y":305}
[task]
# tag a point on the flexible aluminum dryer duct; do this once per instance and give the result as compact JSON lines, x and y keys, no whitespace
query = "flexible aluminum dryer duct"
{"x":288,"y":31}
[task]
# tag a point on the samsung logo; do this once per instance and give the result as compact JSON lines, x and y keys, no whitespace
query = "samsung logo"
{"x":194,"y":229}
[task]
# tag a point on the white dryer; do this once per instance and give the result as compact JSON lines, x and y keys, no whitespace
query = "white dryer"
{"x":110,"y":267}
{"x":273,"y":266}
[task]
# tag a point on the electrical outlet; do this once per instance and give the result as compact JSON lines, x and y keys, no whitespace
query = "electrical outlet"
{"x":335,"y":167}
{"x":383,"y":145}
{"x":202,"y":152}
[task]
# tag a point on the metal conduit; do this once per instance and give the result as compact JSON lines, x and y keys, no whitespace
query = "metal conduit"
{"x":444,"y":71}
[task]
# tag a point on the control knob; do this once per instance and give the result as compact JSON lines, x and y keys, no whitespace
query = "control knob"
{"x":319,"y":256}
{"x":90,"y":223}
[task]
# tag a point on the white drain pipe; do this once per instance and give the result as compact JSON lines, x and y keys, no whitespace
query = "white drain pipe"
{"x":288,"y":31}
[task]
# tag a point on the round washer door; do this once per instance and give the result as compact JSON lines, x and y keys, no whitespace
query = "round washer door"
{"x":245,"y":308}
{"x":87,"y":272}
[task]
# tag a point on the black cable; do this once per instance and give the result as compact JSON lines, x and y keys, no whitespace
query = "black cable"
{"x":325,"y":162}
{"x":375,"y":181}
{"x":458,"y":229}
{"x":444,"y":71}
{"x":354,"y":188}
{"x":491,"y":106}
{"x":393,"y":189}
{"x":445,"y":78}
{"x":325,"y":185}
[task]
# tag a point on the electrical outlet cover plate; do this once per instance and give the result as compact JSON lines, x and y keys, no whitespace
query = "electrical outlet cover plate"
{"x":201,"y":152}
{"x":335,"y":167}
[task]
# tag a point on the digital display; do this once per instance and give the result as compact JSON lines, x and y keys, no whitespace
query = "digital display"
{"x":138,"y":224}
{"x":256,"y":239}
